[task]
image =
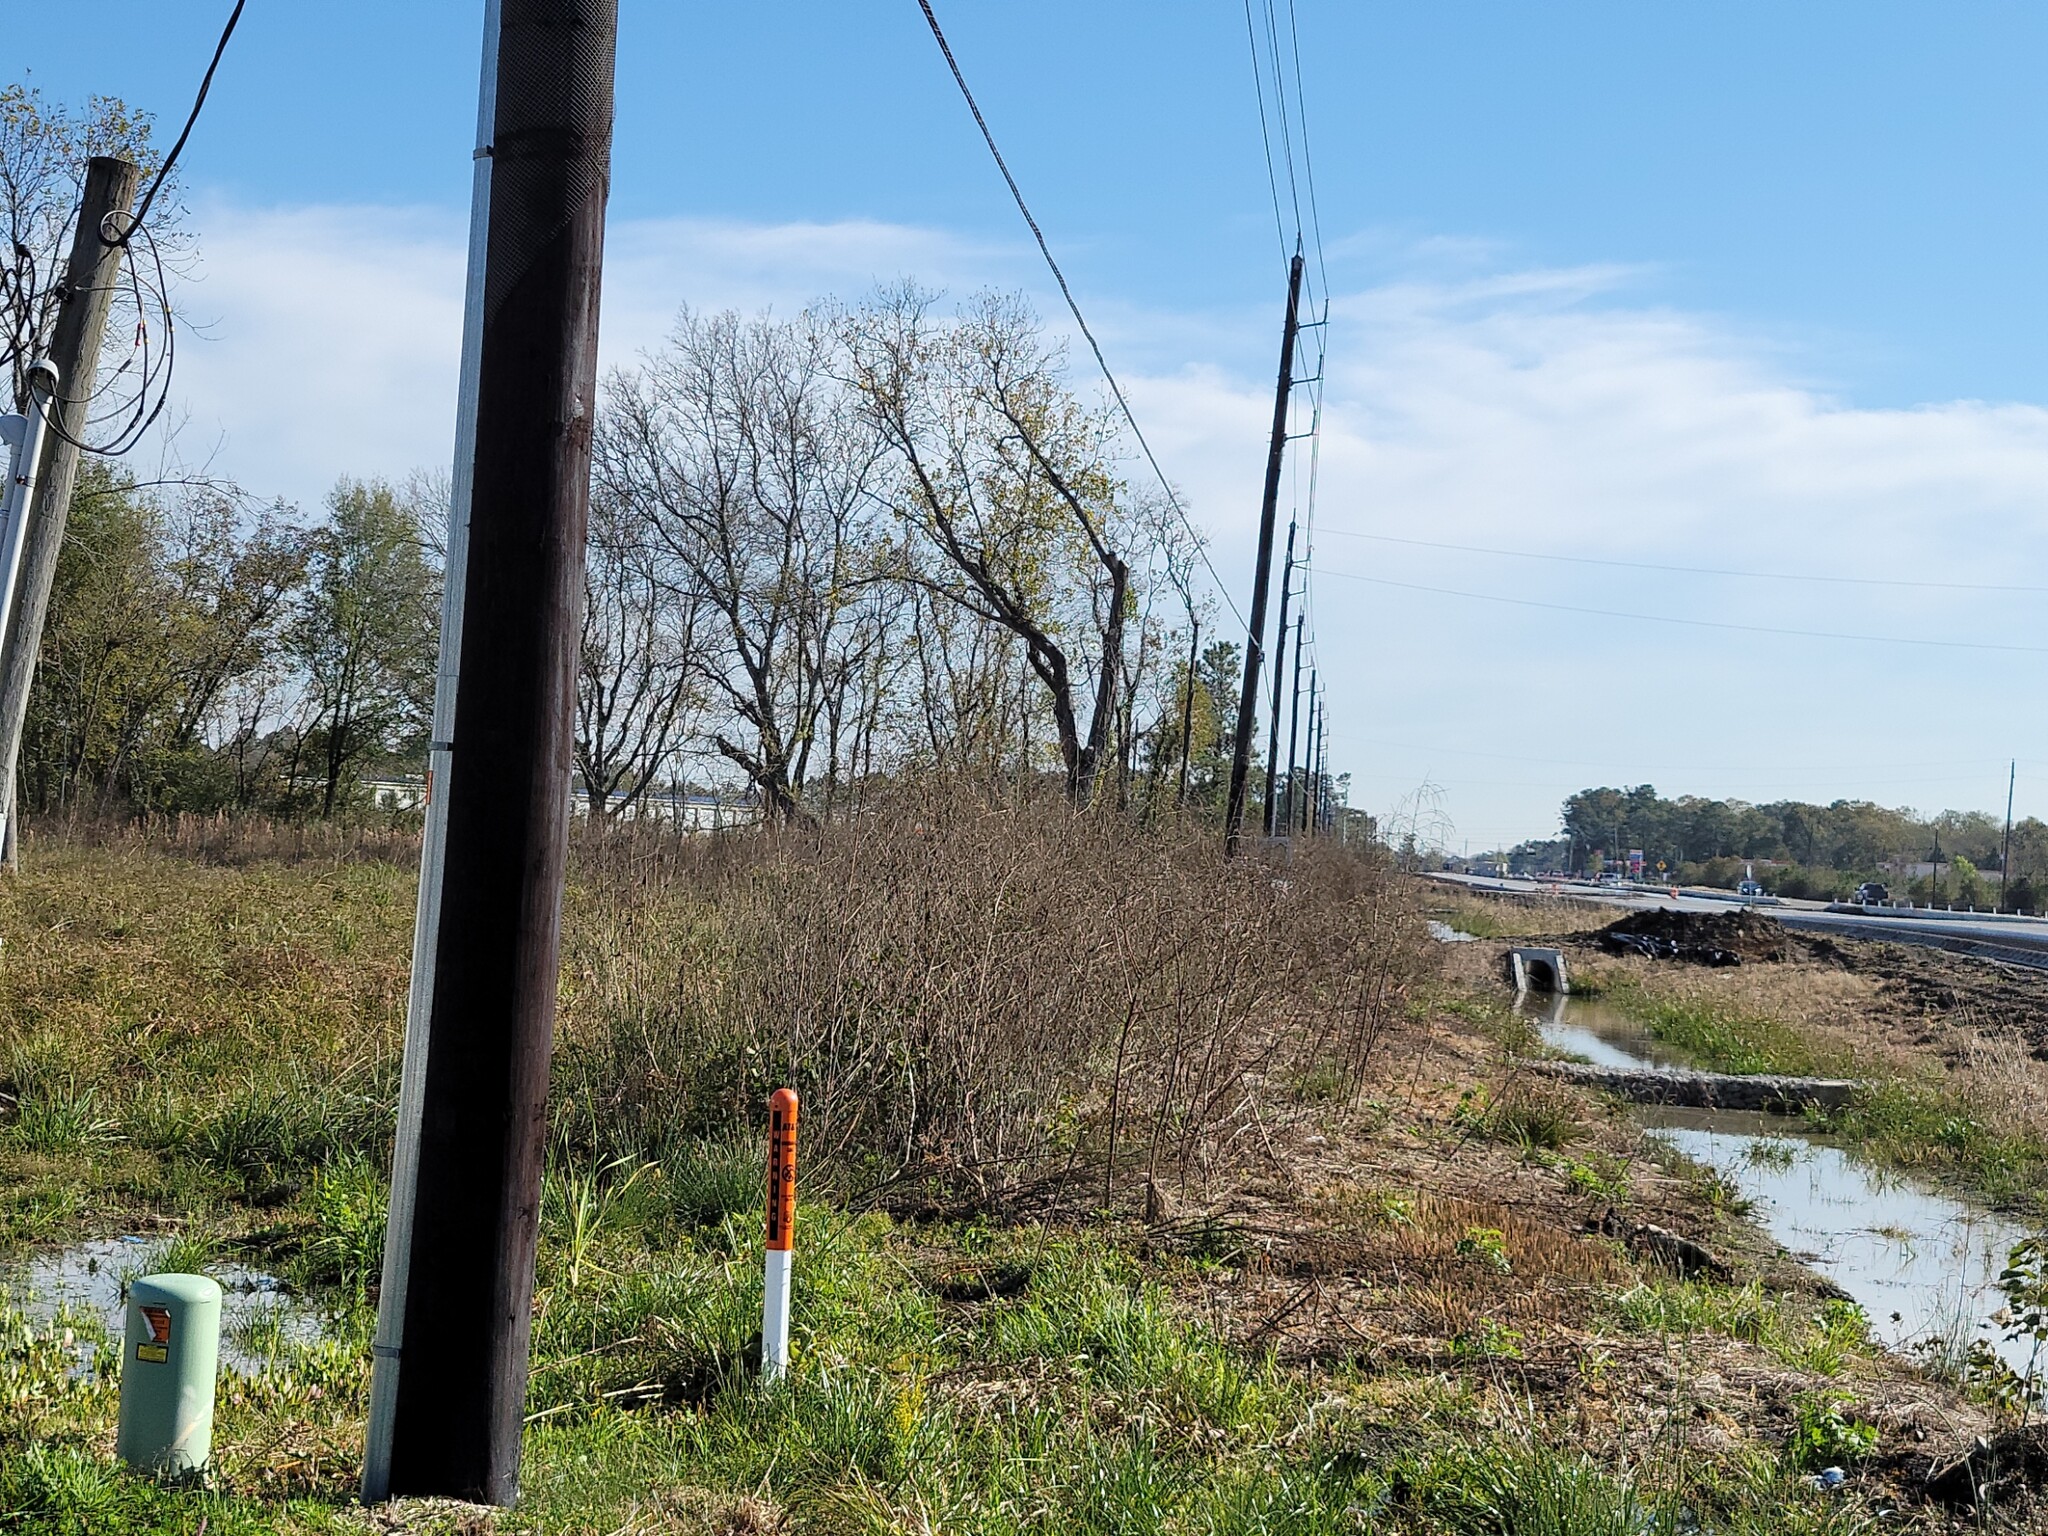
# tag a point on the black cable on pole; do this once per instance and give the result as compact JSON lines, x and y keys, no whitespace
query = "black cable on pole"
{"x":1116,"y":389}
{"x":170,"y":160}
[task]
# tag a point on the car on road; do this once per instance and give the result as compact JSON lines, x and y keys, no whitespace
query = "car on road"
{"x":1871,"y":894}
{"x":1749,"y":890}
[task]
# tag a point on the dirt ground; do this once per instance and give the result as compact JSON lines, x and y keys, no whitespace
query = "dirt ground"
{"x":1412,"y":1237}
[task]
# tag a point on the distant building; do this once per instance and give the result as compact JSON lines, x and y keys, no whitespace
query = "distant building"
{"x":692,"y":811}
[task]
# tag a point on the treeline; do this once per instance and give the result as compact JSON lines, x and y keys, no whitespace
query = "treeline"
{"x":824,"y":552}
{"x":204,"y":655}
{"x":1817,"y":850}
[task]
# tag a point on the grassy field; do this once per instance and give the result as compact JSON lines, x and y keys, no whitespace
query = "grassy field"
{"x":1338,"y":1280}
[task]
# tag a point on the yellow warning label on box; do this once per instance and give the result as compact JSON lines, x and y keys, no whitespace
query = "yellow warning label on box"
{"x":155,"y":1353}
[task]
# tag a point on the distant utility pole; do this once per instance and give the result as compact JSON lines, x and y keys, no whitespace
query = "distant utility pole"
{"x":1255,"y":635}
{"x":1294,"y":730}
{"x":1187,"y":707}
{"x":1279,"y":682}
{"x":452,"y":1348}
{"x":1322,"y":769}
{"x":90,"y":280}
{"x":1307,"y":790}
{"x":1321,"y":773}
{"x":2012,"y":778}
{"x":1308,"y":798}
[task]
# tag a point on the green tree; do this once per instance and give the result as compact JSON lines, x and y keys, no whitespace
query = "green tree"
{"x":365,"y":634}
{"x":157,"y":614}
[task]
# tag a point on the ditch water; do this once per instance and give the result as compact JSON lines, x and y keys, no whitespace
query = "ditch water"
{"x":1923,"y":1264}
{"x":260,"y":1316}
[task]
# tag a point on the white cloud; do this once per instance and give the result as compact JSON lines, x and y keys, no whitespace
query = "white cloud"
{"x":1468,"y":403}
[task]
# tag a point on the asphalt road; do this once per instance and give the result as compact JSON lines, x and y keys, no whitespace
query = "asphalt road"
{"x":2010,"y":940}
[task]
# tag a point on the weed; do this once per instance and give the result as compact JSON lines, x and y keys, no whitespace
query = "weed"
{"x":1486,"y":1246}
{"x":58,"y":1118}
{"x":578,"y":1205}
{"x":705,"y":1181}
{"x":1824,"y":1434}
{"x":1524,"y":1488}
{"x":347,"y":1245}
{"x":1487,"y":1339}
{"x":188,"y":1253}
{"x":1534,"y":1120}
{"x":1602,"y":1177}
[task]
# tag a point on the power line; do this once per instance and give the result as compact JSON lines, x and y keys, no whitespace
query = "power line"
{"x":1308,"y":164}
{"x":1265,"y":134}
{"x":1665,"y":618}
{"x":1686,"y":570}
{"x":1116,"y":389}
{"x":170,"y":160}
{"x":1958,"y":764}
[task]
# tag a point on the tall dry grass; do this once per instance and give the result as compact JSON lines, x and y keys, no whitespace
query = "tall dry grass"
{"x":976,"y":1003}
{"x":233,"y":838}
{"x":979,"y":1005}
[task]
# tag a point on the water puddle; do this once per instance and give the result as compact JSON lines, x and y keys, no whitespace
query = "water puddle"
{"x":1444,"y":933}
{"x":260,"y":1316}
{"x":1923,"y":1264}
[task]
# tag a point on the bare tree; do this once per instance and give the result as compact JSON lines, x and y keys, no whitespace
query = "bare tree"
{"x":638,"y":677}
{"x":740,"y":452}
{"x":1007,"y":484}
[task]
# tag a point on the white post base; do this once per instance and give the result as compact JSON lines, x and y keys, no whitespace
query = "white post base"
{"x":775,"y":1317}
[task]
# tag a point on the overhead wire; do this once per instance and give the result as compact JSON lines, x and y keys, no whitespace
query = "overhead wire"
{"x":1687,"y":570}
{"x":1666,"y":618}
{"x":157,"y":361}
{"x":1265,"y":134}
{"x":1073,"y":306}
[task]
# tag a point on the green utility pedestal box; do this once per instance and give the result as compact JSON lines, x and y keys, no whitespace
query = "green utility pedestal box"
{"x":168,"y":1362}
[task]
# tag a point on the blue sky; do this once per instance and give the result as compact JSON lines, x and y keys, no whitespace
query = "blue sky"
{"x":1754,"y":286}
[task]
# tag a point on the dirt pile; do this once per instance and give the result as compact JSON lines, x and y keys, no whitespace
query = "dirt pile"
{"x":1703,"y":938}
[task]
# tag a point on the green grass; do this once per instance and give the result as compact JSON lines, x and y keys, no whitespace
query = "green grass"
{"x":217,"y":1050}
{"x":1721,"y":1039}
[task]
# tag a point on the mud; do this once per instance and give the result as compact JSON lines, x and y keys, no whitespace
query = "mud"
{"x":1704,"y":938}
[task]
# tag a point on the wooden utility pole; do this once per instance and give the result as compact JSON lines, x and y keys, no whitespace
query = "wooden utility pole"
{"x":1308,"y":799}
{"x":1322,"y":768}
{"x":1294,"y":730}
{"x":2012,"y":778}
{"x":1272,"y":820}
{"x":1255,"y":635}
{"x":90,"y":280}
{"x":455,"y":1356}
{"x":1187,"y":706}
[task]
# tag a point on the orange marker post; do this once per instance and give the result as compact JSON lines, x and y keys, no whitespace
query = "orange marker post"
{"x":781,"y":1227}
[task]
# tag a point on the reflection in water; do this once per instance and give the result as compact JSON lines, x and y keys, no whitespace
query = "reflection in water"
{"x":1922,"y":1263}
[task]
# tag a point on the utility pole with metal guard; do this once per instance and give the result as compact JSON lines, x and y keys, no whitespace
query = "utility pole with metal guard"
{"x":449,"y":1397}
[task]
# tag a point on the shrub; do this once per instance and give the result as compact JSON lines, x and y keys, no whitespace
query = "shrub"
{"x":972,"y":1001}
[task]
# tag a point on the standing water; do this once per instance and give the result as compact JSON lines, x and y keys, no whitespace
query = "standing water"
{"x":1923,"y":1264}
